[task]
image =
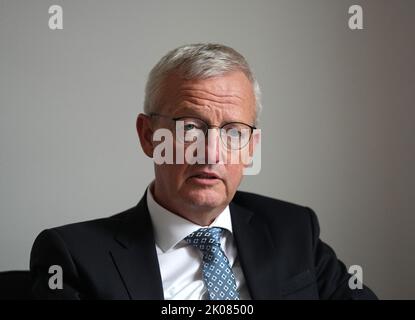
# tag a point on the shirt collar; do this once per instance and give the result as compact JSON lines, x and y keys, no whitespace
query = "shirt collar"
{"x":170,"y":228}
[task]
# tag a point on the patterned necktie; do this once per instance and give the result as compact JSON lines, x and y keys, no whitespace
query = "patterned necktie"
{"x":217,"y":273}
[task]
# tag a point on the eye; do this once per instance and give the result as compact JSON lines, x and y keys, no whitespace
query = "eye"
{"x":189,"y":126}
{"x":233,"y":133}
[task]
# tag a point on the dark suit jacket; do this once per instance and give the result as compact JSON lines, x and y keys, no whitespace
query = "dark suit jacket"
{"x":278,"y":245}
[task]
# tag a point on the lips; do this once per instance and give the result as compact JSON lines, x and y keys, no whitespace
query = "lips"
{"x":204,"y":179}
{"x":205,"y":175}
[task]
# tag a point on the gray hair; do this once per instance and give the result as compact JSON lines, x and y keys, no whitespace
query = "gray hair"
{"x":198,"y":61}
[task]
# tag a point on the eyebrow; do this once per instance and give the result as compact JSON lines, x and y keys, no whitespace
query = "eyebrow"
{"x":188,"y":111}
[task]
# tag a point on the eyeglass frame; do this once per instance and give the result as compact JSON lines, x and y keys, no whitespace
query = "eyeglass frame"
{"x":208,"y":126}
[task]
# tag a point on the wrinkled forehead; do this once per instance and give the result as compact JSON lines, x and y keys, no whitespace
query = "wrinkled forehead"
{"x":231,"y":91}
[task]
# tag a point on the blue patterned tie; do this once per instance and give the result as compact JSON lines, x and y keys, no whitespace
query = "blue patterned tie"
{"x":217,"y":273}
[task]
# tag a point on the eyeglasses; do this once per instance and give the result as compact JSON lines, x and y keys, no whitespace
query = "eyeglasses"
{"x":234,"y":135}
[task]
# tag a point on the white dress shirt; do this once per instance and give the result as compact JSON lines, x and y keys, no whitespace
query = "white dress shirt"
{"x":181,"y":263}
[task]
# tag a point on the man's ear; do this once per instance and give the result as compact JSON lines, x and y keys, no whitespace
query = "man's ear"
{"x":248,"y":153}
{"x":145,"y":133}
{"x":255,"y":140}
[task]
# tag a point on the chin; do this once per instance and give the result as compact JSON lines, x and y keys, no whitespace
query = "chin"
{"x":205,"y":198}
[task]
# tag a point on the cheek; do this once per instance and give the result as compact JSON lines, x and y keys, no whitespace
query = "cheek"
{"x":171,"y":173}
{"x":177,"y":172}
{"x":234,"y":175}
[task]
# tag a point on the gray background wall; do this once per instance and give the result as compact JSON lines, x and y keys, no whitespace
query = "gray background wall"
{"x":338,"y":121}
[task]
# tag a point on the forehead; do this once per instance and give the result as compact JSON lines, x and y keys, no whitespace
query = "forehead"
{"x":229,"y":93}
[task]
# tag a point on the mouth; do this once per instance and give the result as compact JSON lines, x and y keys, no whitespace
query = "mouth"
{"x":205,"y":178}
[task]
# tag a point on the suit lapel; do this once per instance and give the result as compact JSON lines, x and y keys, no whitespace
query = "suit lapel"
{"x":256,"y":252}
{"x":135,"y":255}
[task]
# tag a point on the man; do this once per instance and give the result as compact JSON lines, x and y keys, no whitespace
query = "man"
{"x":193,"y":235}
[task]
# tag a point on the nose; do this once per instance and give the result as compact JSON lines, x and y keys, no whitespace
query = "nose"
{"x":212,"y":146}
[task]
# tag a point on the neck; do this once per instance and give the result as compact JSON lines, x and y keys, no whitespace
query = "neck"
{"x":200,"y":215}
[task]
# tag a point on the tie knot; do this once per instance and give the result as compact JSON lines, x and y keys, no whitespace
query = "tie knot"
{"x":205,"y":238}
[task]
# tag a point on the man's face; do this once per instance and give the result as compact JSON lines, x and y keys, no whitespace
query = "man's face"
{"x":217,"y":100}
